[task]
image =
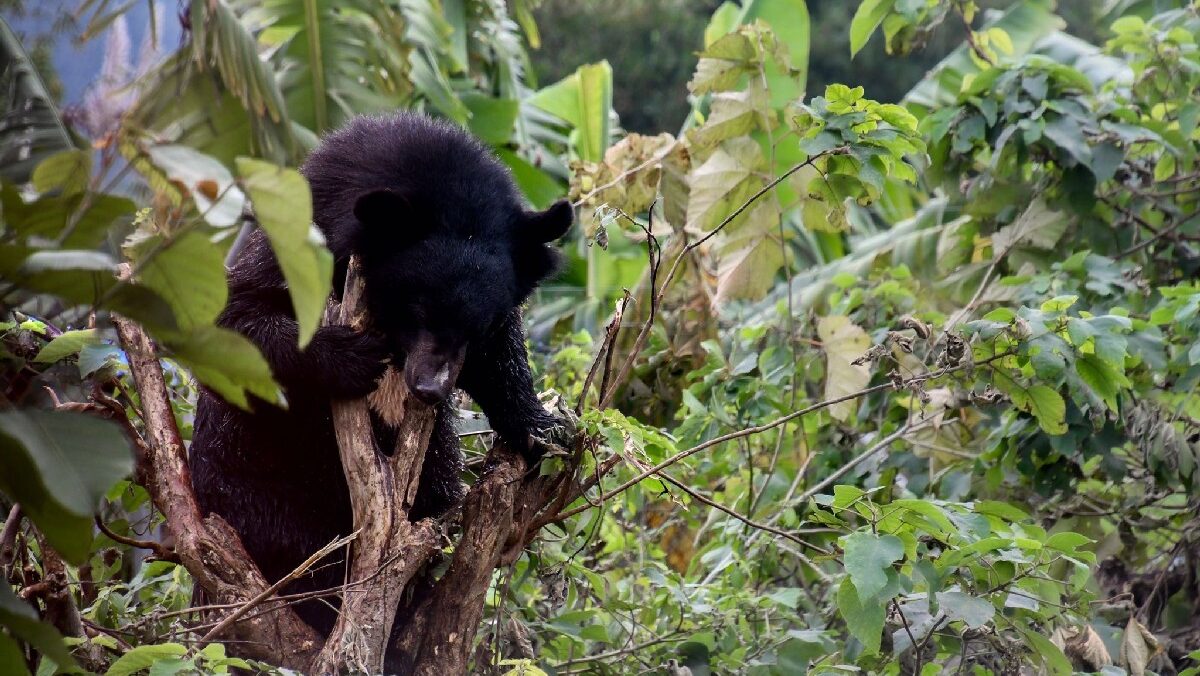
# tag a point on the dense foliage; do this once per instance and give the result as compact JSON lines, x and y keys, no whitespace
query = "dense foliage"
{"x":884,"y":387}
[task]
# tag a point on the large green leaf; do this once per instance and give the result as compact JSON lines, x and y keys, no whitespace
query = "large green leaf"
{"x":283,"y":206}
{"x":144,"y":657}
{"x":88,"y":278}
{"x":66,"y":344}
{"x":790,"y":23}
{"x":341,"y":58}
{"x":67,"y":172}
{"x":48,"y":217}
{"x":57,"y":465}
{"x":583,"y":99}
{"x":12,"y":659}
{"x":974,"y":611}
{"x":187,"y":272}
{"x":868,"y":557}
{"x":539,"y":188}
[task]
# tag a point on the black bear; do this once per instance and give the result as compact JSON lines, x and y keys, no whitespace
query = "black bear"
{"x":449,"y":253}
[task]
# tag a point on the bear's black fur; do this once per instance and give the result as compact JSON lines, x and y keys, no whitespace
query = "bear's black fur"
{"x":448,"y":255}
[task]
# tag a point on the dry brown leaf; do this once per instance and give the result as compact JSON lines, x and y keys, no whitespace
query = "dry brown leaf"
{"x":1138,"y":647}
{"x":1087,"y":651}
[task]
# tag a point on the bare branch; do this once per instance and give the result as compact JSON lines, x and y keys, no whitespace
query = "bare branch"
{"x":160,"y":551}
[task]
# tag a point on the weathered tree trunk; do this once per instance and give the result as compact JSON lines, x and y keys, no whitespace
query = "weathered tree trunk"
{"x":389,"y":549}
{"x":209,"y":547}
{"x":438,"y":639}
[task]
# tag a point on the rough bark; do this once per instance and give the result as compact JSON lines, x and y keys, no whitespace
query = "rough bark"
{"x":389,"y":548}
{"x":209,"y":547}
{"x":500,"y":517}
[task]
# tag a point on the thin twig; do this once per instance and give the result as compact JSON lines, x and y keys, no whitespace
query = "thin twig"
{"x":161,"y":552}
{"x":266,"y":593}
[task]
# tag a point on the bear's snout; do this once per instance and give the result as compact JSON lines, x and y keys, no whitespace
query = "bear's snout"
{"x":431,"y":370}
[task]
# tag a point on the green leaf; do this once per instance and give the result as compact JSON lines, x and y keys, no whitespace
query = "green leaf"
{"x":1101,"y":377}
{"x":1025,"y":22}
{"x":868,"y":17}
{"x":87,"y":278}
{"x":786,"y":67}
{"x":1045,"y":404}
{"x":843,"y":342}
{"x":65,"y":345}
{"x":1067,"y":134}
{"x":143,"y":657}
{"x":1165,"y":167}
{"x":723,"y":20}
{"x":188,"y":273}
{"x":929,"y":510}
{"x":283,"y":206}
{"x":227,"y":362}
{"x":68,"y":172}
{"x":974,"y":611}
{"x":492,"y":118}
{"x":89,"y":216}
{"x":1067,"y":541}
{"x":21,"y":619}
{"x":57,"y":465}
{"x":863,"y":619}
{"x":1037,"y":226}
{"x":539,"y":187}
{"x":868,"y":557}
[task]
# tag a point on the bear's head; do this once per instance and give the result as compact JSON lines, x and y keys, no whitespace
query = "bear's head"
{"x":435,"y":289}
{"x":448,"y":248}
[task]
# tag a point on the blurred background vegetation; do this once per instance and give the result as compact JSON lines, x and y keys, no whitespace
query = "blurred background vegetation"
{"x":652,"y":46}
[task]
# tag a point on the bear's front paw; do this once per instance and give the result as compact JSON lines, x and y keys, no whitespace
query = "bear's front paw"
{"x":554,"y":436}
{"x":349,"y":362}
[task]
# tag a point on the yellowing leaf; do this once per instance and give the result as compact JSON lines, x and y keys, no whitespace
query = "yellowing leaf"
{"x":1037,"y":226}
{"x":750,"y":256}
{"x":843,"y":342}
{"x":733,"y":114}
{"x":722,"y":183}
{"x":1043,"y":403}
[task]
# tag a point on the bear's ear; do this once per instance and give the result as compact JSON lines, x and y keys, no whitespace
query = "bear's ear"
{"x":380,"y":208}
{"x":548,"y":225}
